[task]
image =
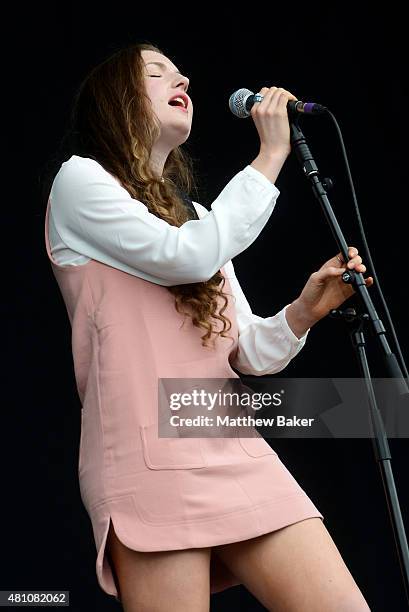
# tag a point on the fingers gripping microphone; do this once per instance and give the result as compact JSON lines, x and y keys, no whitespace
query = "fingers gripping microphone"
{"x":242,"y":100}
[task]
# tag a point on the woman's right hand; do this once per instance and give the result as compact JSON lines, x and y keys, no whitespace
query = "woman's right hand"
{"x":271,"y":119}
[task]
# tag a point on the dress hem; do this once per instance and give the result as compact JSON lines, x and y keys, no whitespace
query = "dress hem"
{"x":244,"y":529}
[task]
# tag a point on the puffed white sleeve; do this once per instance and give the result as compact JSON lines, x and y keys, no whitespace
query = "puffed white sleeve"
{"x":265,"y":345}
{"x":96,"y":217}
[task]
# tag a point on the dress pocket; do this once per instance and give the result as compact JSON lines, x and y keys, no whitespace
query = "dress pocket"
{"x":170,"y":453}
{"x":256,"y":446}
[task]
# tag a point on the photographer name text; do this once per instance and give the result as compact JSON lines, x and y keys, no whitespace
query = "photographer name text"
{"x":244,"y":421}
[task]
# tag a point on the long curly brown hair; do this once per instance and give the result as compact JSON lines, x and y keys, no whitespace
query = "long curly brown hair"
{"x":112,"y":121}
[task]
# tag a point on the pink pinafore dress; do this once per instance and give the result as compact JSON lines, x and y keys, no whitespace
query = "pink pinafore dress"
{"x":161,"y":493}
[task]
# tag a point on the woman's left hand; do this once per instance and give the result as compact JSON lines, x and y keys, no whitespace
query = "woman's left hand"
{"x":325,"y":288}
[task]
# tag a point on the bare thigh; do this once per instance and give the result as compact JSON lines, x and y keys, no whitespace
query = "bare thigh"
{"x":295,"y":568}
{"x":176,"y":580}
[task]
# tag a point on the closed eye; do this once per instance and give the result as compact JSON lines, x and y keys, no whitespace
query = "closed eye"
{"x":159,"y":75}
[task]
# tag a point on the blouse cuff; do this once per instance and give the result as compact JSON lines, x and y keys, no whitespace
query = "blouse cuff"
{"x":296,"y":342}
{"x":263,"y":180}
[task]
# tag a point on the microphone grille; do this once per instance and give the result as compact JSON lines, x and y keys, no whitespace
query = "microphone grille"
{"x":237,"y":102}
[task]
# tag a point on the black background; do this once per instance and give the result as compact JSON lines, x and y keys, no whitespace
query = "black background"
{"x":347,"y":57}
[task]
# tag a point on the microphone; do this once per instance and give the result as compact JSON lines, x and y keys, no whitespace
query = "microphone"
{"x":242,"y":100}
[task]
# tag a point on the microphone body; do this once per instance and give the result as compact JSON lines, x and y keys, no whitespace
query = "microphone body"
{"x":242,"y":100}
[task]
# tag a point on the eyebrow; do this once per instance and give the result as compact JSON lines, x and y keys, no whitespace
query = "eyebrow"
{"x":162,"y":65}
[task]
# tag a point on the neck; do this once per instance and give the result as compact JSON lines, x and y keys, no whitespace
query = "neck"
{"x":158,"y":159}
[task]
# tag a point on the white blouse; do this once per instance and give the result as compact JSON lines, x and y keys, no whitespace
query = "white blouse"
{"x":92,"y":216}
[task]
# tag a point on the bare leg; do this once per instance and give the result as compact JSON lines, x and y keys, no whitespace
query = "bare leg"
{"x":295,"y":568}
{"x":176,"y":580}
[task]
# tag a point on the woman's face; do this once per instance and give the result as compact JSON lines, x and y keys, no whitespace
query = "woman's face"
{"x":164,"y":82}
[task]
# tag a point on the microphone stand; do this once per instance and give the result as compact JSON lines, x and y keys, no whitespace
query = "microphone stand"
{"x":357,"y":322}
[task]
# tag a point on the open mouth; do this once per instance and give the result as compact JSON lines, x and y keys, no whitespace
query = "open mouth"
{"x":179,"y":102}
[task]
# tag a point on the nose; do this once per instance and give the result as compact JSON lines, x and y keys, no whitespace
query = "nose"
{"x":181,"y":81}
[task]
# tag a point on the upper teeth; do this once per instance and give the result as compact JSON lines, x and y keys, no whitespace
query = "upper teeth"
{"x":179,"y":99}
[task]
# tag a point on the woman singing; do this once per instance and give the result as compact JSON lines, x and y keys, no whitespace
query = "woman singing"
{"x":150,"y":291}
